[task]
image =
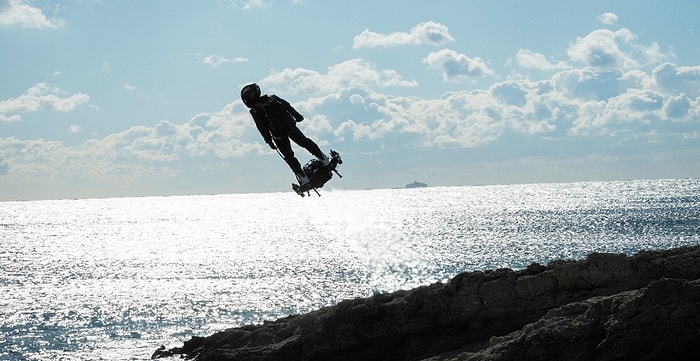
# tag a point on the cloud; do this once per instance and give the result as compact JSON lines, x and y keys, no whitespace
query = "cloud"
{"x":613,"y":91}
{"x":674,"y":79}
{"x":607,"y":18}
{"x":585,"y":102}
{"x":677,"y":107}
{"x":574,"y":105}
{"x":614,"y":50}
{"x":161,"y":143}
{"x":530,"y":59}
{"x":254,"y":4}
{"x":18,"y":12}
{"x":217,"y":60}
{"x":456,"y":66}
{"x":458,"y":119}
{"x":600,"y":49}
{"x":32,"y":158}
{"x":632,"y":109}
{"x":591,"y":84}
{"x":430,"y":33}
{"x":136,"y":154}
{"x":9,"y":119}
{"x":251,"y":4}
{"x":350,"y":73}
{"x":224,"y":134}
{"x":509,"y":93}
{"x":105,"y":68}
{"x":32,"y":166}
{"x":4,"y":166}
{"x":40,"y":97}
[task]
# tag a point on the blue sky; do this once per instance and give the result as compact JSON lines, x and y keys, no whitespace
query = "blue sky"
{"x":128,"y":98}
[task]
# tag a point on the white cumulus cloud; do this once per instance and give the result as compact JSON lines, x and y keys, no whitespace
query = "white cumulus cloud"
{"x":675,"y":79}
{"x":430,"y":33}
{"x":619,"y":49}
{"x":533,"y":60}
{"x":18,"y":12}
{"x":41,"y":97}
{"x":217,"y":60}
{"x":607,"y":18}
{"x":455,"y":66}
{"x":350,"y":73}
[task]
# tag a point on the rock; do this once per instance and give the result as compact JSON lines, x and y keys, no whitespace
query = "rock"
{"x":657,"y":322}
{"x":606,"y":307}
{"x":189,"y":347}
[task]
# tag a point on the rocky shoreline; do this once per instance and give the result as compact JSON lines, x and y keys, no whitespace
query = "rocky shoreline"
{"x":605,"y":307}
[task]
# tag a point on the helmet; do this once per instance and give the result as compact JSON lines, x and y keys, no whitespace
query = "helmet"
{"x":250,"y":94}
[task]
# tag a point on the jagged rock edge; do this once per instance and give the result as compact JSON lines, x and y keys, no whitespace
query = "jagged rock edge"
{"x":460,"y":318}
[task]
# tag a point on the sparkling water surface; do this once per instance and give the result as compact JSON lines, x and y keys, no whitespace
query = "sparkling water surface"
{"x":113,"y":279}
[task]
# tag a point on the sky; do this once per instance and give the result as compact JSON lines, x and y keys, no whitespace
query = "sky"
{"x":113,"y":98}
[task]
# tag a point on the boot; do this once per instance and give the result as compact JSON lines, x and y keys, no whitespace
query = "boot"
{"x":303,"y":179}
{"x":326,"y":160}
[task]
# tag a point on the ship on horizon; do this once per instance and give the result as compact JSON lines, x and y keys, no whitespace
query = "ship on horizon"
{"x":416,"y":184}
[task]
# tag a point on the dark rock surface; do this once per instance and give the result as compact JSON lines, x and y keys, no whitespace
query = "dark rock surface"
{"x":606,"y":307}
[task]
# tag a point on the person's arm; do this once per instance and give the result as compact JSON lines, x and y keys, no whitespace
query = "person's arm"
{"x":261,"y":123}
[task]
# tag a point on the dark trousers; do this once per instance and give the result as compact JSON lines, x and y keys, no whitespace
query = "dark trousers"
{"x":285,"y":147}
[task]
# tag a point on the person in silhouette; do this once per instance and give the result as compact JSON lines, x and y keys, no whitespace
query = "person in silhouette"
{"x":276,"y":121}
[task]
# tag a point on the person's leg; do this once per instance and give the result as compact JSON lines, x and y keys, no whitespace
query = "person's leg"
{"x":298,"y":137}
{"x":285,"y":147}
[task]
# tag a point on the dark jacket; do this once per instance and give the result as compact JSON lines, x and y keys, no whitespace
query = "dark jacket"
{"x":274,"y":117}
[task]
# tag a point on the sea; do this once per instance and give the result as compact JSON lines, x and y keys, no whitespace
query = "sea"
{"x":115,"y":278}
